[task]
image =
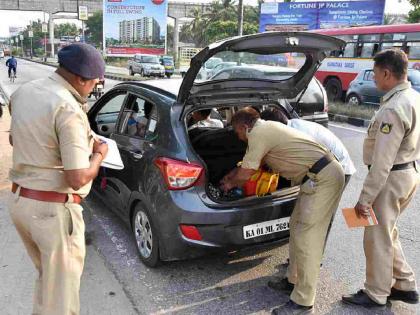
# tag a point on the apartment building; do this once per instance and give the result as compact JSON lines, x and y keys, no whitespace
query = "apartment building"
{"x":146,"y":29}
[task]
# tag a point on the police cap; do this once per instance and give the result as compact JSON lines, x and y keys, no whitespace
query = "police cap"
{"x":83,"y":60}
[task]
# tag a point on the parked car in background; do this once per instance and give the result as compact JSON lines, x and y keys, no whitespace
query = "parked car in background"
{"x":362,"y":90}
{"x":168,"y":193}
{"x":146,"y":66}
{"x":169,"y":65}
{"x":313,"y":105}
{"x":221,"y":66}
{"x":206,"y":70}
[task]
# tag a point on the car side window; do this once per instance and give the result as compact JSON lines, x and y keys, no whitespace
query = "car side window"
{"x":107,"y":116}
{"x":368,"y":76}
{"x":139,"y":118}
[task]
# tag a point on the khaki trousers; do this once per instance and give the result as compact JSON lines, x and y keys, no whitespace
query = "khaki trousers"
{"x":53,"y":234}
{"x":316,"y":204}
{"x":386,"y":266}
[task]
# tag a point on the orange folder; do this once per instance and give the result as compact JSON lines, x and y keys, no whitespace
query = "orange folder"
{"x":353,"y":221}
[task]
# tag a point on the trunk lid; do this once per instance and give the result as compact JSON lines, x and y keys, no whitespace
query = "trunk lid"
{"x":266,"y":55}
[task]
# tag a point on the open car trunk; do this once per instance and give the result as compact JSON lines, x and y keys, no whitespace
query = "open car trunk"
{"x":221,"y":150}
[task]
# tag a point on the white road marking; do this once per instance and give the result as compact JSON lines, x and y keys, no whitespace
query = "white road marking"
{"x":347,"y":128}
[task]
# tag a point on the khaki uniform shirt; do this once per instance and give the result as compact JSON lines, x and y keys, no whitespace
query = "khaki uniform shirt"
{"x":285,"y":150}
{"x":51,"y":133}
{"x":393,"y":137}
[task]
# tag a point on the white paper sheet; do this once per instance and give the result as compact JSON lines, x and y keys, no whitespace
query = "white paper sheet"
{"x":113,"y":158}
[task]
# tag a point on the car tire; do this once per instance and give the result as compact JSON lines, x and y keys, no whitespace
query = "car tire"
{"x":168,"y":76}
{"x":145,"y":236}
{"x":353,"y":99}
{"x":334,"y":89}
{"x":1,"y":110}
{"x":131,"y":72}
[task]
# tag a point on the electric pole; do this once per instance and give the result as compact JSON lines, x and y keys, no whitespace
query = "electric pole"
{"x":240,"y":17}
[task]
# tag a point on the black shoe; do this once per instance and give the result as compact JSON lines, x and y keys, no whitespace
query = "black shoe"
{"x":282,"y":285}
{"x":362,"y":299}
{"x":291,"y":308}
{"x":411,"y":297}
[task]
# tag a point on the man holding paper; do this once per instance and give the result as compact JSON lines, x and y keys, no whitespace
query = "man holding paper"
{"x":55,"y":159}
{"x":390,"y":151}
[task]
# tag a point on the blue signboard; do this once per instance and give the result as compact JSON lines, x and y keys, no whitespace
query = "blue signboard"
{"x":315,"y":15}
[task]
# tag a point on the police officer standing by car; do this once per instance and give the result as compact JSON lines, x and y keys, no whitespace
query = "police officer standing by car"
{"x":298,"y":157}
{"x":390,"y":151}
{"x":55,"y":159}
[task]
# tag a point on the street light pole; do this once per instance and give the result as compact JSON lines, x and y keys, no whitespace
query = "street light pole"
{"x":240,"y":17}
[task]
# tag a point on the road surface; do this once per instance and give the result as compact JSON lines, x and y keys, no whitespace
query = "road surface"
{"x":229,"y":283}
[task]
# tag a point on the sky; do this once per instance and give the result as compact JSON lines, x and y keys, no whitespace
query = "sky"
{"x":20,"y":18}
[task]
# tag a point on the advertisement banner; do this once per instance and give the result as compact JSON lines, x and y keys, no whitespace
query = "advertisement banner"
{"x":15,"y":30}
{"x":316,"y":15}
{"x":134,"y":27}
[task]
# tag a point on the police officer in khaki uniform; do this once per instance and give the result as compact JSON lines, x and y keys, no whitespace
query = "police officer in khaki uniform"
{"x":298,"y":157}
{"x":55,"y":158}
{"x":390,"y":151}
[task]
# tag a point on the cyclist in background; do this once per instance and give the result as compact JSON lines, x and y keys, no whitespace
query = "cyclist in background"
{"x":12,"y":64}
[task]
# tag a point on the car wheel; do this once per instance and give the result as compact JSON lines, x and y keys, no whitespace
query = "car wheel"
{"x":145,"y":236}
{"x":353,"y":100}
{"x":168,"y":76}
{"x":334,"y":90}
{"x":131,"y":72}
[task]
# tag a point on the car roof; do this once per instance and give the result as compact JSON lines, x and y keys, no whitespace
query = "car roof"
{"x":168,"y":85}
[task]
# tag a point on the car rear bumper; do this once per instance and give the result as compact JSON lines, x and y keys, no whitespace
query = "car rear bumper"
{"x":219,"y":228}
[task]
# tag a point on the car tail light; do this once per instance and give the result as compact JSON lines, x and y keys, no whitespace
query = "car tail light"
{"x":191,"y":232}
{"x":178,"y":174}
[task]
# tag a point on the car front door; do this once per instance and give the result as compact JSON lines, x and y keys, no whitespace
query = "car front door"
{"x":103,"y":118}
{"x":135,"y":138}
{"x":368,"y":89}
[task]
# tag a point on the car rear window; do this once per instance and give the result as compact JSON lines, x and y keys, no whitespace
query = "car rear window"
{"x":247,"y":65}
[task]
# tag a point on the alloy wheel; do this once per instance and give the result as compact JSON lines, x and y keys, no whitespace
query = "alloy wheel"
{"x":143,"y":234}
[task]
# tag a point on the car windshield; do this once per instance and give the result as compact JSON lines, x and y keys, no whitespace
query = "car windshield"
{"x":414,"y":77}
{"x":246,"y":65}
{"x":168,"y":62}
{"x":150,"y":59}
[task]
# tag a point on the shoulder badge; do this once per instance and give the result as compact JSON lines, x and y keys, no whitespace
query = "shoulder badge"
{"x":386,"y":128}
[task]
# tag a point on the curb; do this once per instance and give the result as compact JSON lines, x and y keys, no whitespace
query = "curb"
{"x":359,"y":122}
{"x":111,"y":76}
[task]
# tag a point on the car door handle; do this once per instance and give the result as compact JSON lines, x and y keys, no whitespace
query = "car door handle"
{"x":137,"y":155}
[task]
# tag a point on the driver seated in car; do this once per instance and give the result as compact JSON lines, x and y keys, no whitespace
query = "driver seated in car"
{"x":201,"y":119}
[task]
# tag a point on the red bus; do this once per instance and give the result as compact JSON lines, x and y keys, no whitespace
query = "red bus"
{"x":341,"y":67}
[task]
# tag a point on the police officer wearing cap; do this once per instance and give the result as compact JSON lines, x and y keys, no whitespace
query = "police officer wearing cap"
{"x":390,"y":151}
{"x":55,"y":158}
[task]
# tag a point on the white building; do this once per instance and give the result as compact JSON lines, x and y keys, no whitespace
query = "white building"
{"x":146,"y":29}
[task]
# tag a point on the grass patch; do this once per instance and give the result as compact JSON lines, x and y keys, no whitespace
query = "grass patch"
{"x":117,"y":61}
{"x":360,"y":111}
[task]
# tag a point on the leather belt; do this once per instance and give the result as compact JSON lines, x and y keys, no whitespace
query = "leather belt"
{"x":319,"y":165}
{"x":400,"y":167}
{"x":47,"y":196}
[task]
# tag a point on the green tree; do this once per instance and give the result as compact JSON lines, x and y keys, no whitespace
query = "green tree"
{"x":414,"y":14}
{"x":66,"y":29}
{"x":218,"y":23}
{"x":94,"y":28}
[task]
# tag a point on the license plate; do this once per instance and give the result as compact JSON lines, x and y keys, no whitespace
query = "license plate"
{"x":265,"y":228}
{"x":99,"y":86}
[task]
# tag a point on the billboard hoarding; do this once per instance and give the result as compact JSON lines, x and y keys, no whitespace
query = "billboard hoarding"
{"x":134,"y":26}
{"x":15,"y":30}
{"x":83,"y":13}
{"x":325,"y":14}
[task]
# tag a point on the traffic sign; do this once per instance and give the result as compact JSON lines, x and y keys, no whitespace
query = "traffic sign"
{"x":12,"y":41}
{"x":30,"y":34}
{"x":77,"y":38}
{"x":83,"y":13}
{"x":21,"y":37}
{"x":44,"y":27}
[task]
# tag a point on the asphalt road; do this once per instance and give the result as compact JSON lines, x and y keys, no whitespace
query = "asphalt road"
{"x":235,"y":282}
